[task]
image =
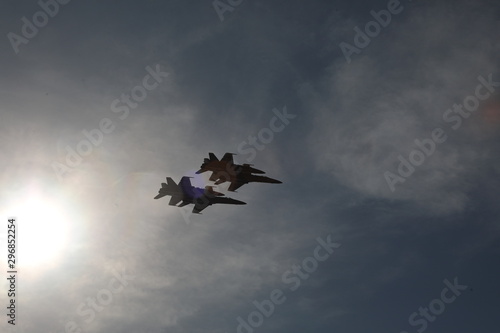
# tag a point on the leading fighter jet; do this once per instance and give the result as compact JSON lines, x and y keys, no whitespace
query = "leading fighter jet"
{"x":185,"y":192}
{"x":239,"y":175}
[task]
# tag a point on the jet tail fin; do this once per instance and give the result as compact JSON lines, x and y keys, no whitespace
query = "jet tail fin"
{"x":228,"y":157}
{"x":170,"y":182}
{"x":213,"y":157}
{"x":185,"y":182}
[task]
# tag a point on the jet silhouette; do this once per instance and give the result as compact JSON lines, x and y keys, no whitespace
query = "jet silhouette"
{"x":185,"y":193}
{"x":225,"y":170}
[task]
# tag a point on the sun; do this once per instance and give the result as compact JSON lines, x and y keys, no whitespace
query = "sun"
{"x":42,"y":231}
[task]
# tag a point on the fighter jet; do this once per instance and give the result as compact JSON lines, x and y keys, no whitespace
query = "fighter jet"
{"x":186,"y":194}
{"x":226,"y":164}
{"x":239,"y":175}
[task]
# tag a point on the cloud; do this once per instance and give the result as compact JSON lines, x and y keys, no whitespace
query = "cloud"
{"x":370,"y":111}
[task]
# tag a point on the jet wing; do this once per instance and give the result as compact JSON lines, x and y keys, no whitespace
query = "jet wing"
{"x":184,"y":203}
{"x":175,"y":200}
{"x":214,"y":176}
{"x":235,"y":185}
{"x":160,"y":195}
{"x":200,"y":205}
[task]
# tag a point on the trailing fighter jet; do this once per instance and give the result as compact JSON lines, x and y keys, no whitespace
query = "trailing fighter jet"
{"x":226,"y":164}
{"x":185,"y":193}
{"x":239,"y":175}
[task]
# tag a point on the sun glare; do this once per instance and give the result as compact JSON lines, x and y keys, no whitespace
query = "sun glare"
{"x":43,"y":230}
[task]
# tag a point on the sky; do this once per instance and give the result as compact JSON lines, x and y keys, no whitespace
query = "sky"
{"x":381,"y":118}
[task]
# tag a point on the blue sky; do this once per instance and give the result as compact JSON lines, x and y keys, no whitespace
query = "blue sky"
{"x":387,"y":151}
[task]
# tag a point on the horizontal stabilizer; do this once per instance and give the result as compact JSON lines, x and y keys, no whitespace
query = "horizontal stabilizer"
{"x":160,"y":195}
